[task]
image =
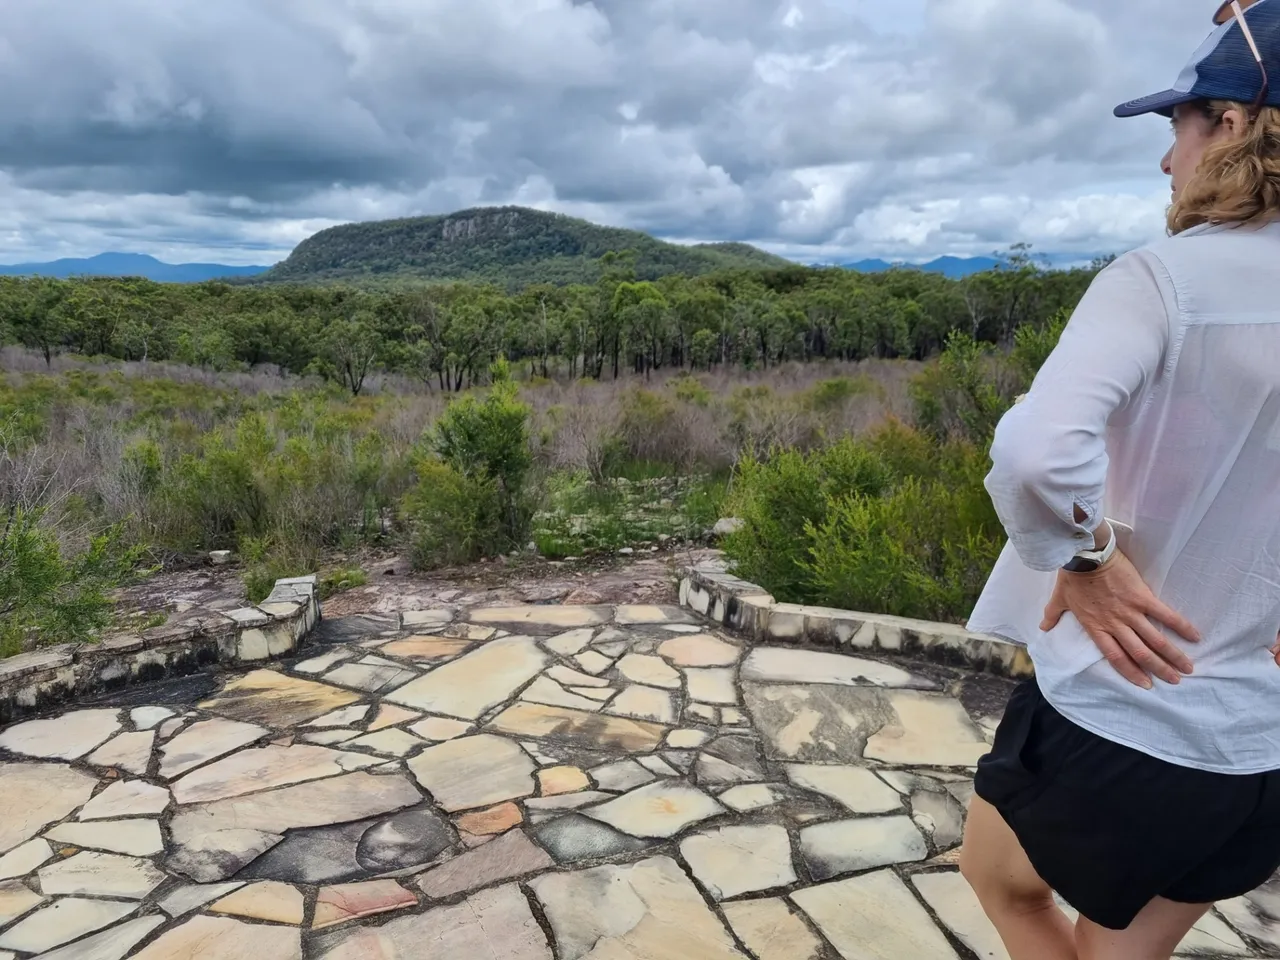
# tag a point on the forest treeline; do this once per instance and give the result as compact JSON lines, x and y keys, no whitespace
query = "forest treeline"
{"x":448,"y":335}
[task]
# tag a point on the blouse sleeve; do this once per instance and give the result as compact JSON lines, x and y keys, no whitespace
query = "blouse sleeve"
{"x":1049,"y":455}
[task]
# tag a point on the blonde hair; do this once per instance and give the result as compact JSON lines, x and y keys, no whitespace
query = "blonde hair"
{"x":1238,"y":180}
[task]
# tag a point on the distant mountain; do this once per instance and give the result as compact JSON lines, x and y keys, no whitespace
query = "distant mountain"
{"x":130,"y":265}
{"x":949,"y":266}
{"x":510,"y":246}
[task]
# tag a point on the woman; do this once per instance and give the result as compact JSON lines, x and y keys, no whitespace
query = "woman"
{"x":1138,"y":775}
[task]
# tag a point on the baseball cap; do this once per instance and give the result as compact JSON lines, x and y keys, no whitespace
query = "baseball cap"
{"x":1223,"y":68}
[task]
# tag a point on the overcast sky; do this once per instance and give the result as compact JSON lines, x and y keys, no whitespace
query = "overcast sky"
{"x":818,"y":129}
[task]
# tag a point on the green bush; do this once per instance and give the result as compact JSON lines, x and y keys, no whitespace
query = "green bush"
{"x":779,"y":497}
{"x":455,"y":518}
{"x":47,"y":597}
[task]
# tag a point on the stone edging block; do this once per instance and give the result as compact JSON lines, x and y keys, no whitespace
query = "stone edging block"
{"x":30,"y":683}
{"x":711,"y":590}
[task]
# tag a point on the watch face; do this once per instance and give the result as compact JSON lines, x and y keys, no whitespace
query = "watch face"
{"x":1081,"y":565}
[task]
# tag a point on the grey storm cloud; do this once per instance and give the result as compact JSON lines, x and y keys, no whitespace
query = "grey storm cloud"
{"x":818,"y":128}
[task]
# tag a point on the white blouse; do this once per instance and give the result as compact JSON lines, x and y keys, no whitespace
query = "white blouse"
{"x":1160,"y":408}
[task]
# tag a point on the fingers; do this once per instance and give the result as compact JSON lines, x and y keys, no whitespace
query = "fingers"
{"x":1173,"y":620}
{"x":1120,"y":660}
{"x":1155,"y":641}
{"x":1053,"y":614}
{"x":1137,"y":648}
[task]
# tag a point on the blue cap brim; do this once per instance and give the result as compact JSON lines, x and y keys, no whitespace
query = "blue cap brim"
{"x":1161,"y":103}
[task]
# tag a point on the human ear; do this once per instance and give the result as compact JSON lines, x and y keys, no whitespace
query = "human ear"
{"x":1234,"y":123}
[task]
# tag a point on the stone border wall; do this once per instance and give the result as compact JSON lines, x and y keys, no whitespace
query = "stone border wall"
{"x":33,"y":682}
{"x":709,"y":589}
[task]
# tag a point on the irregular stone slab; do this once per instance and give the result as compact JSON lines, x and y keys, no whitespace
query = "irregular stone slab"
{"x":874,"y":918}
{"x":490,"y":822}
{"x":124,"y":798}
{"x":651,"y":671}
{"x":61,"y":921}
{"x":771,"y":931}
{"x":621,"y":775}
{"x":491,"y":924}
{"x":619,"y":647}
{"x":468,"y":631}
{"x":511,"y":855}
{"x":389,"y":716}
{"x":940,"y":815}
{"x":439,"y":729}
{"x":711,"y":685}
{"x":699,"y":650}
{"x":185,"y":899}
{"x":346,"y":717}
{"x":660,"y":809}
{"x":822,"y":724}
{"x":645,"y":703}
{"x":544,"y":690}
{"x":318,"y":665}
{"x":277,"y":902}
{"x":33,"y":795}
{"x":646,"y":910}
{"x":702,"y":711}
{"x":659,"y":766}
{"x":144,"y":718}
{"x":101,"y":875}
{"x":21,"y":860}
{"x":557,"y":780}
{"x":637,"y":614}
{"x":16,"y":899}
{"x":927,"y":730}
{"x":354,"y":851}
{"x":425,"y":648}
{"x":205,"y":741}
{"x":375,"y":677}
{"x":575,"y":678}
{"x":68,"y":737}
{"x":213,"y":841}
{"x":468,"y":687}
{"x":1257,"y":914}
{"x":617,"y":733}
{"x":687,"y":739}
{"x":781,"y":665}
{"x":732,"y":717}
{"x":953,"y":900}
{"x":856,"y":788}
{"x":474,"y":772}
{"x":139,"y":838}
{"x":437,"y":617}
{"x":574,"y":837}
{"x":251,"y":771}
{"x":568,"y":644}
{"x":845,"y":846}
{"x":111,"y":944}
{"x":593,"y":662}
{"x":751,"y":797}
{"x":128,"y":751}
{"x":730,"y":759}
{"x":735,"y":860}
{"x":350,"y":901}
{"x":276,"y":699}
{"x":1210,"y":937}
{"x":390,"y":743}
{"x":545,"y":808}
{"x":536,"y":615}
{"x":329,"y":738}
{"x":221,"y":938}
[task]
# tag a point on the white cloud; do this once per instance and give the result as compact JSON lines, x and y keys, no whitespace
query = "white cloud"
{"x":824,"y":129}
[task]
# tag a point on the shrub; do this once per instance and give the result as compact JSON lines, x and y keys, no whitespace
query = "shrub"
{"x":778,"y":498}
{"x":455,"y":518}
{"x":47,"y":597}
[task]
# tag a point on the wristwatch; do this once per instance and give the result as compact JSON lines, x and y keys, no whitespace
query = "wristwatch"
{"x":1087,"y":561}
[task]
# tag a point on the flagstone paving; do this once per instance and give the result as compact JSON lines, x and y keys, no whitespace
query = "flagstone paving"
{"x":527,"y":783}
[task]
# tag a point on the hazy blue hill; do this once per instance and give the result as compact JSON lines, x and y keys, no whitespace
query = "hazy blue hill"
{"x":949,"y":266}
{"x":130,"y":265}
{"x":510,"y":246}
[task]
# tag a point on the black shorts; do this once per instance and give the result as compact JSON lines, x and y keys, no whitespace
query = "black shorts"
{"x":1110,"y":828}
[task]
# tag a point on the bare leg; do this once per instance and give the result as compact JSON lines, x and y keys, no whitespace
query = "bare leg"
{"x":1154,"y":934}
{"x":1016,"y":900}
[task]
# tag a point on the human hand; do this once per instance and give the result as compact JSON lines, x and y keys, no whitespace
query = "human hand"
{"x":1275,"y":651}
{"x":1115,"y":606}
